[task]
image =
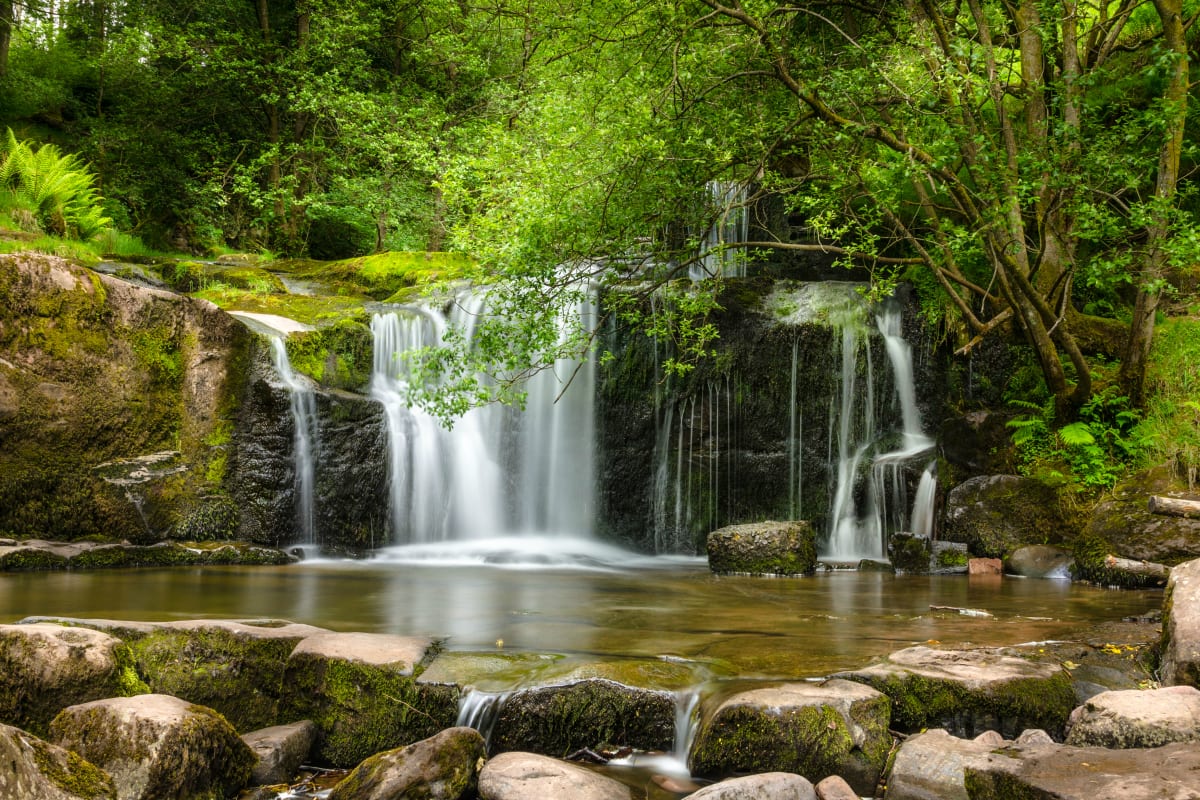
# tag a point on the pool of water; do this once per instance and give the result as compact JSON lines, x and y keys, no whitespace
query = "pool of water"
{"x":603,"y":603}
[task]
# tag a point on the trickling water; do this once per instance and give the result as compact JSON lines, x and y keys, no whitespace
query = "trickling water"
{"x":304,"y":425}
{"x":478,"y":710}
{"x":924,"y":504}
{"x":498,"y":471}
{"x":687,"y":717}
{"x":731,"y":227}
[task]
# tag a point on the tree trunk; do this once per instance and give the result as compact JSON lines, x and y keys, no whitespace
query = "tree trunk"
{"x":6,"y":26}
{"x":1175,"y":507}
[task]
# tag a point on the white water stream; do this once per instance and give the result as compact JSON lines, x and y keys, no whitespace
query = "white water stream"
{"x":303,"y":405}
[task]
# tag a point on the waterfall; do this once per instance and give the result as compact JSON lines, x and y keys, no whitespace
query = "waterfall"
{"x":478,"y":710}
{"x":731,"y":227}
{"x":303,"y":405}
{"x":925,"y":503}
{"x":498,"y":470}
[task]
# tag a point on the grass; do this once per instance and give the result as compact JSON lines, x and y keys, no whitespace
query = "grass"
{"x":1172,"y":422}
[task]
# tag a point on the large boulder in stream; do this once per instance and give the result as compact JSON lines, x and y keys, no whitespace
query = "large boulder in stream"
{"x":45,"y":667}
{"x":361,"y":690}
{"x":157,"y":747}
{"x":763,"y":548}
{"x":1181,"y":627}
{"x":32,"y":769}
{"x":971,"y":691}
{"x":442,"y":767}
{"x":526,"y":776}
{"x":815,"y":730}
{"x":995,"y":514}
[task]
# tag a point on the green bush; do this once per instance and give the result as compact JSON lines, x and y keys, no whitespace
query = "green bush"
{"x":337,"y":232}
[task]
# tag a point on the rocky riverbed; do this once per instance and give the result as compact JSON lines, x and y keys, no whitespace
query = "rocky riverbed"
{"x":97,"y":708}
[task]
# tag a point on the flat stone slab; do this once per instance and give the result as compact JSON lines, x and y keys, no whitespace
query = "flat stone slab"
{"x":837,"y":727}
{"x":1137,"y":718}
{"x":525,"y":776}
{"x":400,"y":654}
{"x":764,"y":786}
{"x":1181,"y":626}
{"x":1088,"y":773}
{"x":969,"y":691}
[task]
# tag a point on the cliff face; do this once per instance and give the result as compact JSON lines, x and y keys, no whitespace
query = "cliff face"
{"x":116,"y":406}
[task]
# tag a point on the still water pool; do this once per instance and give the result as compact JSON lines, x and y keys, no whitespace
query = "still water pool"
{"x":597,"y":601}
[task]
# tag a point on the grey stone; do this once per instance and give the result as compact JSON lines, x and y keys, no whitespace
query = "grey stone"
{"x":930,"y":765}
{"x":1039,"y":561}
{"x":970,"y":691}
{"x":764,"y":786}
{"x":1137,"y":718}
{"x":32,"y":769}
{"x":157,"y":747}
{"x":1033,"y":736}
{"x":442,"y":767}
{"x":280,"y":750}
{"x":835,"y":788}
{"x":526,"y":776}
{"x":834,"y":728}
{"x":1181,"y":626}
{"x":763,"y":548}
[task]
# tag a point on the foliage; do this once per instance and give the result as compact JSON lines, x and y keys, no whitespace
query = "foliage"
{"x":1171,"y":427}
{"x":56,"y":188}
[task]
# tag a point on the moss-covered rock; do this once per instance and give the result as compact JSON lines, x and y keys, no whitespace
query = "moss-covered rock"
{"x":46,"y":667}
{"x":815,"y":730}
{"x":970,"y":691}
{"x":37,"y":770}
{"x":1123,"y":520}
{"x":995,"y":514}
{"x":234,"y":667}
{"x":157,"y":747}
{"x":444,"y":766}
{"x":909,"y":553}
{"x":764,"y":548}
{"x":361,"y":691}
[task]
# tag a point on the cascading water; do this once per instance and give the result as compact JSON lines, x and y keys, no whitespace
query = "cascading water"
{"x":925,"y":503}
{"x":304,"y":425}
{"x":731,"y":227}
{"x":498,"y":471}
{"x":478,"y":710}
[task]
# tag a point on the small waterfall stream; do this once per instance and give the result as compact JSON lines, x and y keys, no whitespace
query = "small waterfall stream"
{"x":303,"y":405}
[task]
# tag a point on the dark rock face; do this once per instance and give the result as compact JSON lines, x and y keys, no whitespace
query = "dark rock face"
{"x":995,"y":514}
{"x":763,"y":548}
{"x":1126,"y":524}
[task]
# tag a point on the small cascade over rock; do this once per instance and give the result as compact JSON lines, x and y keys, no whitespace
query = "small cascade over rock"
{"x":498,"y":471}
{"x":303,"y":406}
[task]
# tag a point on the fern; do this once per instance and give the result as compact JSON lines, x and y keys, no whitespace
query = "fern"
{"x":57,"y":188}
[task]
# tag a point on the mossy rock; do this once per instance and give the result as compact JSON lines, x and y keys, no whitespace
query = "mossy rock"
{"x":339,"y":356}
{"x":763,"y":548}
{"x":46,"y":667}
{"x":815,"y":730}
{"x":34,"y":768}
{"x":233,"y":667}
{"x":443,"y":766}
{"x":910,"y":554}
{"x":995,"y":514}
{"x":558,"y":720}
{"x":968,"y":692}
{"x":361,"y":690}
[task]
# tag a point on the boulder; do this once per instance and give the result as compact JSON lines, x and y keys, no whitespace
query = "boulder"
{"x":361,"y":691}
{"x":525,"y":776}
{"x":985,"y":566}
{"x":1123,"y":519}
{"x":970,"y":691}
{"x":764,"y":786}
{"x":558,"y":720}
{"x":233,"y":666}
{"x":280,"y":751}
{"x":930,"y":766}
{"x":833,"y":728}
{"x":763,"y":548}
{"x":1137,"y":718}
{"x":1181,"y":627}
{"x":32,"y":769}
{"x":910,"y":553}
{"x":157,"y":747}
{"x":1039,"y":561}
{"x":835,"y":788}
{"x":46,"y":667}
{"x":1087,"y":773}
{"x":442,"y":767}
{"x":996,"y":514}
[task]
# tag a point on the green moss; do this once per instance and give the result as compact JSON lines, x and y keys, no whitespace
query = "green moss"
{"x":952,"y":558}
{"x":339,"y":355}
{"x":129,"y":683}
{"x":30,"y":560}
{"x":66,"y":770}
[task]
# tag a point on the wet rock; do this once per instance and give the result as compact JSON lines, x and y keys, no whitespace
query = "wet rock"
{"x":1136,"y":718}
{"x":763,"y":548}
{"x":37,"y":770}
{"x":765,"y":786}
{"x":442,"y":767}
{"x":815,"y":730}
{"x":361,"y":691}
{"x":1039,"y":561}
{"x":155,"y":746}
{"x":996,"y":514}
{"x":45,"y":667}
{"x":558,"y":720}
{"x":1123,"y":519}
{"x":1086,"y":773}
{"x":949,"y":558}
{"x":1181,"y":627}
{"x":931,"y":765}
{"x":280,"y":751}
{"x":233,"y":666}
{"x":910,"y":553}
{"x":970,"y":691}
{"x":525,"y":776}
{"x":35,"y":554}
{"x":835,"y":788}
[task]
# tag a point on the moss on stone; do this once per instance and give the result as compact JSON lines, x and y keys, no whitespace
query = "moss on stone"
{"x":30,"y":560}
{"x":66,"y":770}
